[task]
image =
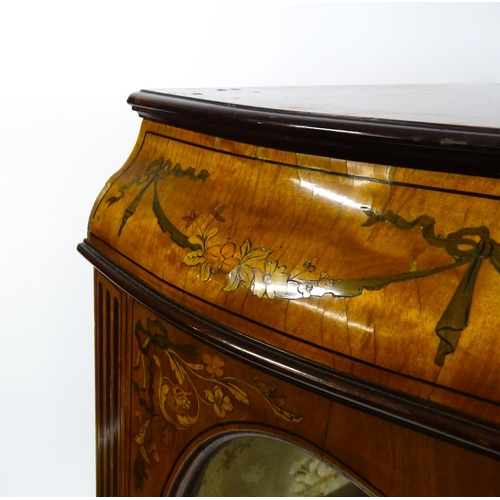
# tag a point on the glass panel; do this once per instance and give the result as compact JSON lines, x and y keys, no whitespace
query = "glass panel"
{"x":257,"y":466}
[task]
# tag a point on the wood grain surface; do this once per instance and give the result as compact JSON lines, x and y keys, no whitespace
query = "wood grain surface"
{"x":343,"y":305}
{"x":312,"y":224}
{"x":168,"y":401}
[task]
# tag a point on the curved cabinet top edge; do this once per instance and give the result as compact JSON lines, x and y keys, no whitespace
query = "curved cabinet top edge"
{"x":420,"y":127}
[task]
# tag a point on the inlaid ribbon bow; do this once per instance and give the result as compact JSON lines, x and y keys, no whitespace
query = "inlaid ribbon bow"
{"x":478,"y":248}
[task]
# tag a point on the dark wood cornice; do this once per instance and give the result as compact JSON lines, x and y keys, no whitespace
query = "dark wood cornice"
{"x":427,"y":145}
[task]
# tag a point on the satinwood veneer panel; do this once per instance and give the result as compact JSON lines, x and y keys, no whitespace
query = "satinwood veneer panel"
{"x":327,"y":278}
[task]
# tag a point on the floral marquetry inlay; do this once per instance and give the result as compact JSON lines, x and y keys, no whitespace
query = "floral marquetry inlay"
{"x":175,"y":383}
{"x":273,"y":277}
{"x":253,"y":268}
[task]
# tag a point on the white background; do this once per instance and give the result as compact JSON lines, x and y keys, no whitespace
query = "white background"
{"x":66,"y":69}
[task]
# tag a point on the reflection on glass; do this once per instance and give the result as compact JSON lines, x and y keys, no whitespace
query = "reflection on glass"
{"x":256,"y":466}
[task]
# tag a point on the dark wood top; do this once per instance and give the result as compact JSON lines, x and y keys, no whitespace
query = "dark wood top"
{"x":451,"y":128}
{"x":466,"y":105}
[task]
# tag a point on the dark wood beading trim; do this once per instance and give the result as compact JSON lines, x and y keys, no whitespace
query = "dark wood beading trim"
{"x":427,"y":417}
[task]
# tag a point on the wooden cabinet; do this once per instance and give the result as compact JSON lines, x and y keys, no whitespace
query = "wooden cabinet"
{"x":318,"y":265}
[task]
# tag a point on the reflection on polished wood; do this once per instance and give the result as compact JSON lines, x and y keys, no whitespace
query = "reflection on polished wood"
{"x":328,"y":279}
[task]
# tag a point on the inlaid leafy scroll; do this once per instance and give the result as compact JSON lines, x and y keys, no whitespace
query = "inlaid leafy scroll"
{"x":175,"y":383}
{"x":246,"y":266}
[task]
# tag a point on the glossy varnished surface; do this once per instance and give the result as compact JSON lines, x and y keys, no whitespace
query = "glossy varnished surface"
{"x":324,"y":258}
{"x":167,"y":401}
{"x":326,"y":278}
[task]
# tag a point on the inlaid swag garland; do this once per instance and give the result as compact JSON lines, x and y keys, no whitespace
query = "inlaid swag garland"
{"x":251,"y":267}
